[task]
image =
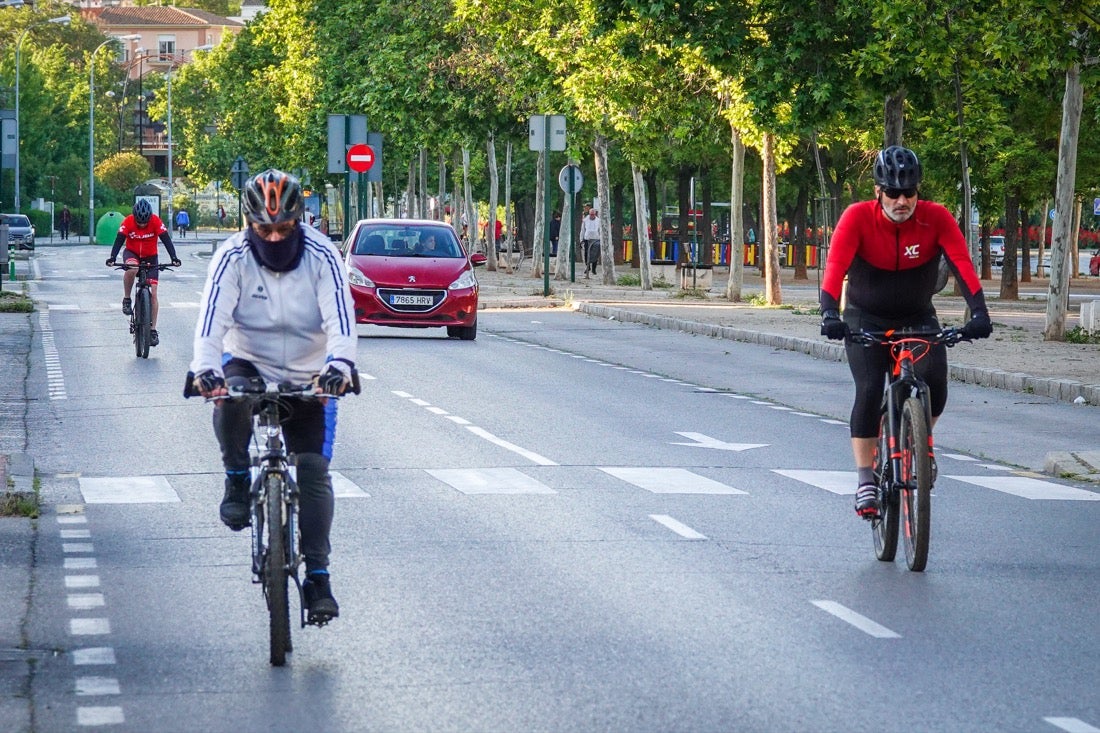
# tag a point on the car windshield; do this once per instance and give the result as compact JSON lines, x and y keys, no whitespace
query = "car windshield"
{"x":407,"y":241}
{"x":16,"y":220}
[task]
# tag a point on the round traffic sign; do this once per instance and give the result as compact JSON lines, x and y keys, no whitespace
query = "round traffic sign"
{"x":360,"y":157}
{"x":571,"y":179}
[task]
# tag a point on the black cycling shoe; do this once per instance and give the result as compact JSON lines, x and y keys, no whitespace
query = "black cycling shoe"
{"x":127,"y":307}
{"x":154,"y":337}
{"x":234,"y":509}
{"x":320,"y":604}
{"x":867,"y":501}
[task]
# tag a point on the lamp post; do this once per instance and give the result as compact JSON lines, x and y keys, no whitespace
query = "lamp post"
{"x":62,"y":20}
{"x":91,"y":131}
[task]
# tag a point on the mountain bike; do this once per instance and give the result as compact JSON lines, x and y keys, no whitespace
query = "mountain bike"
{"x":904,"y":463}
{"x":273,"y":502}
{"x":141,"y":310}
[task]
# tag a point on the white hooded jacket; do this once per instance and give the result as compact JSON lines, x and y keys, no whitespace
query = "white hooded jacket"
{"x":290,"y":325}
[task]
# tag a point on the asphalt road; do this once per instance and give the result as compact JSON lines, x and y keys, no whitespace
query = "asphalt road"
{"x":569,"y":524}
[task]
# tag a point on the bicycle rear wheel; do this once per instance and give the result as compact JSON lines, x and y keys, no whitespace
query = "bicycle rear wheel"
{"x":143,"y":315}
{"x":275,"y":571}
{"x":885,"y":528}
{"x":916,"y":493}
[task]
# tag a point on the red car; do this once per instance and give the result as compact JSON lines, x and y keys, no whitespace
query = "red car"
{"x":412,"y":273}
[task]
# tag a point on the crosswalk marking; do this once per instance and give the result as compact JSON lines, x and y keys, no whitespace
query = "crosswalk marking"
{"x":838,"y":482}
{"x":345,"y":488}
{"x":662,"y":480}
{"x":490,"y":481}
{"x":127,"y":490}
{"x":1030,"y":488}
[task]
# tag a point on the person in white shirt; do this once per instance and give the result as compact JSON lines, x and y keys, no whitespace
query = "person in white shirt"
{"x":277,"y":305}
{"x":590,"y":241}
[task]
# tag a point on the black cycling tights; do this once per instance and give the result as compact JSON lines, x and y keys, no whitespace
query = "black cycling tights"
{"x":869,"y":364}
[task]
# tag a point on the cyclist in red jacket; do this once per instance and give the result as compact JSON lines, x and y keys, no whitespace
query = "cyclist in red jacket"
{"x":140,"y":232}
{"x":890,"y":250}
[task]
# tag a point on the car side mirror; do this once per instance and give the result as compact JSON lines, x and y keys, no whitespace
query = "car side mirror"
{"x":477,"y":259}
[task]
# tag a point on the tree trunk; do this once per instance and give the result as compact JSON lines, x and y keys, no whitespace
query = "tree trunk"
{"x":1025,"y":251}
{"x":1010,"y":287}
{"x":603,"y":190}
{"x":541,"y":192}
{"x":409,"y":208}
{"x":737,"y":218}
{"x":494,"y":194}
{"x":772,"y":287}
{"x":1061,"y":236}
{"x":422,"y":197}
{"x":509,"y":221}
{"x":894,"y":115}
{"x":641,"y":235}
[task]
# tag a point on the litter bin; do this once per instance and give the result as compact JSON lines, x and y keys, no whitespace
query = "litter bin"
{"x":107,"y":227}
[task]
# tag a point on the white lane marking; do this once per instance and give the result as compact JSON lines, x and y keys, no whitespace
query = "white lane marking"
{"x":419,"y":402}
{"x":345,"y":488}
{"x":778,"y":407}
{"x":862,"y":623}
{"x":89,"y":626}
{"x":805,"y":414}
{"x":490,"y":481}
{"x":1030,"y":488}
{"x":530,"y":455}
{"x":63,"y":307}
{"x":736,"y":396}
{"x":834,"y":422}
{"x":75,"y":547}
{"x":96,"y":686}
{"x":55,"y":379}
{"x":661,"y":480}
{"x":1072,"y":725}
{"x":993,"y":467}
{"x":184,"y":304}
{"x":85,"y":601}
{"x":73,"y":519}
{"x":838,"y":482}
{"x":95,"y":655}
{"x":403,"y":395}
{"x":127,"y":490}
{"x":96,"y":716}
{"x":437,"y":411}
{"x":81,"y":581}
{"x":705,"y":441}
{"x":76,"y":534}
{"x":957,"y":456}
{"x":79,"y":563}
{"x":678,"y":527}
{"x":459,"y":420}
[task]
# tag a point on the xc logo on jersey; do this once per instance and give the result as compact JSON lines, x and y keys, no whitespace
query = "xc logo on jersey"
{"x":912,"y":251}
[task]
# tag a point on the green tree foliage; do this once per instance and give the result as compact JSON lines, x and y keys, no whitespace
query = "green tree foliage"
{"x":122,"y":172}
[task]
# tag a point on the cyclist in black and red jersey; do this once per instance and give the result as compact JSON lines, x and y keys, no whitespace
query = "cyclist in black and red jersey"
{"x":890,"y":250}
{"x":140,"y":232}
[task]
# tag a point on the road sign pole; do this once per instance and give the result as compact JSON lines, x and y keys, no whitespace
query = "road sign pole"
{"x":546,"y":209}
{"x":347,"y":179}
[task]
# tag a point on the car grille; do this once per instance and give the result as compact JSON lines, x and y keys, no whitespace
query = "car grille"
{"x":392,"y":297}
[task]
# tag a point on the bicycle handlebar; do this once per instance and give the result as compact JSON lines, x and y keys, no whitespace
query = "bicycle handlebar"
{"x":257,"y":386}
{"x":127,"y":266}
{"x":946,"y":336}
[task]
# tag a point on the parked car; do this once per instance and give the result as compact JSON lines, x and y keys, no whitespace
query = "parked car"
{"x":997,"y":250}
{"x":20,"y":230}
{"x":412,"y":273}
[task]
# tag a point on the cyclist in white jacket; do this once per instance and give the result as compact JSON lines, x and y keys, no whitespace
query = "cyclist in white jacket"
{"x":277,"y":305}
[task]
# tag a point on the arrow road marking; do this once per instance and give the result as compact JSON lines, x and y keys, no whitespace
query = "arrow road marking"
{"x":705,"y":441}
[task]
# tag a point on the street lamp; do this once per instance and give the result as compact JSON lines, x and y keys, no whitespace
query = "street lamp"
{"x":168,"y":78}
{"x":62,"y":20}
{"x":91,"y":130}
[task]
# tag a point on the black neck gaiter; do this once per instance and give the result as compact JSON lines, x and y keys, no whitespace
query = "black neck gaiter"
{"x":281,"y":256}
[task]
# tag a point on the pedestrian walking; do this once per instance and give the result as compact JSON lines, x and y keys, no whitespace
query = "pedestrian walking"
{"x":555,"y":233}
{"x":183,"y":221}
{"x":66,"y":221}
{"x":590,"y":240}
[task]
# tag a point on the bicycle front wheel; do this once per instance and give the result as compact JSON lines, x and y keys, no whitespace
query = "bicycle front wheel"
{"x":143,"y":318}
{"x":916,"y":493}
{"x":275,"y":571}
{"x":885,"y":528}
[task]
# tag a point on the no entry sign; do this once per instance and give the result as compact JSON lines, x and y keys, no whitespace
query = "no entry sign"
{"x":360,"y":157}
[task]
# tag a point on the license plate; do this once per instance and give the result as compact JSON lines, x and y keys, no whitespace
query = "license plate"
{"x":411,"y":300}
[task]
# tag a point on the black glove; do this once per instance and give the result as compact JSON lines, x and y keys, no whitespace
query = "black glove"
{"x":176,"y":263}
{"x":110,"y":262}
{"x":332,"y":382}
{"x":208,"y":381}
{"x":832,"y":327}
{"x":979,"y":326}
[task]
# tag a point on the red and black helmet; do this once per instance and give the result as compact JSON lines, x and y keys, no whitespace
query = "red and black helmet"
{"x":272,"y":197}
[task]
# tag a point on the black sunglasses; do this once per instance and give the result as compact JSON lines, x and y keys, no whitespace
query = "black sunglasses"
{"x":897,"y":193}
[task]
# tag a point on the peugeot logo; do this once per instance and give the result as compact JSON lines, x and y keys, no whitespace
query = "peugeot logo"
{"x":412,"y":278}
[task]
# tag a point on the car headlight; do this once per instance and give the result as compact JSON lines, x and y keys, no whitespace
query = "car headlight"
{"x":464,"y":281}
{"x":355,"y":277}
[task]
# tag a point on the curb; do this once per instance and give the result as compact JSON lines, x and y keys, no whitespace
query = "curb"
{"x":1082,"y":465}
{"x":1064,"y":390}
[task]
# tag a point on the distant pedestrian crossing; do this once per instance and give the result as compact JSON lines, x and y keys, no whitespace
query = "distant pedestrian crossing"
{"x":651,"y":479}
